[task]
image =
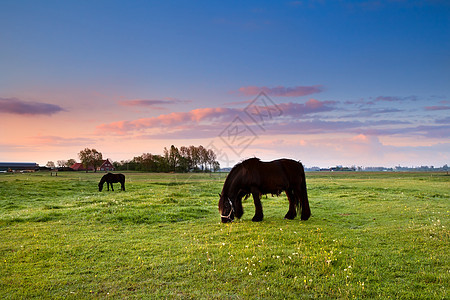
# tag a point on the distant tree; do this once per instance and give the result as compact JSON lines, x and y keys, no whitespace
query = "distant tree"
{"x":90,"y":158}
{"x":216,"y":166}
{"x":61,"y":163}
{"x":172,"y":157}
{"x":211,"y":159}
{"x":184,"y":159}
{"x":195,"y":156}
{"x":203,"y":157}
{"x":50,"y":164}
{"x":71,"y":162}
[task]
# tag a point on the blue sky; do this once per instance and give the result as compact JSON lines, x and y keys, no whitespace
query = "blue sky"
{"x":357,"y":82}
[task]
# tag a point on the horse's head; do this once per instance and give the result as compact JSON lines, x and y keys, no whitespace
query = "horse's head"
{"x":226,"y":209}
{"x":100,"y":186}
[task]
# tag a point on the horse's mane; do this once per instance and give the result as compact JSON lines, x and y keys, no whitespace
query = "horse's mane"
{"x":237,"y":168}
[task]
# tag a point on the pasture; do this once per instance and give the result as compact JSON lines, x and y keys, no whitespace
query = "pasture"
{"x":371,"y":235}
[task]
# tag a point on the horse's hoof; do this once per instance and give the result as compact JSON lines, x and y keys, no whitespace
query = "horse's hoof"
{"x":257,"y":219}
{"x":289,"y":216}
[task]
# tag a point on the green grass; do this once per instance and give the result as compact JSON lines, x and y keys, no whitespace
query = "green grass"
{"x":371,"y":235}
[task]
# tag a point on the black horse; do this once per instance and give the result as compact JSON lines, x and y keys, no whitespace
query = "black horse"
{"x":258,"y":178}
{"x":111,"y":178}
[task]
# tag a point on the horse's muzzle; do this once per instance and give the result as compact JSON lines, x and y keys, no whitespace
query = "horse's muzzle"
{"x":226,"y":220}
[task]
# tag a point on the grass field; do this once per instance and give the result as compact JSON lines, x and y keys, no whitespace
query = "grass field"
{"x":371,"y":235}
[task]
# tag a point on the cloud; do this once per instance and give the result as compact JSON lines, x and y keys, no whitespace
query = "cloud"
{"x":268,"y":118}
{"x":315,"y":126}
{"x":429,"y":131}
{"x":20,"y":107}
{"x":175,"y":120}
{"x":372,"y":112}
{"x":311,"y":106}
{"x":437,"y":107}
{"x":153,"y":103}
{"x":443,"y":121}
{"x":395,"y":98}
{"x":281,"y":91}
{"x":204,"y":119}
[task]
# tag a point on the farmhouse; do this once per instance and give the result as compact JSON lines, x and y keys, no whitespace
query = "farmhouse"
{"x":15,"y":166}
{"x":106,"y":166}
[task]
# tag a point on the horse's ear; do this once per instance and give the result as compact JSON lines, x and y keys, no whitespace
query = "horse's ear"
{"x":220,"y":195}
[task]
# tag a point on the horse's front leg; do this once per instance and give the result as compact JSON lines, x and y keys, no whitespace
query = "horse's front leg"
{"x":258,"y":206}
{"x":112,"y":188}
{"x":293,"y":202}
{"x":239,"y":210}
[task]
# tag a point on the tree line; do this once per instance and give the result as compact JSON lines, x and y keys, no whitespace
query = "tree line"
{"x":183,"y":159}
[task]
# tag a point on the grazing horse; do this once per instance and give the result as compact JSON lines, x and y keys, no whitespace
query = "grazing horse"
{"x":111,"y":178}
{"x":258,"y":178}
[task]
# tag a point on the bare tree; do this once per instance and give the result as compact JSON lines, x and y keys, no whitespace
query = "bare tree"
{"x":203,"y":155}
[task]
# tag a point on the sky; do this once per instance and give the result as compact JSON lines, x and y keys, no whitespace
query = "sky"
{"x":363,"y":83}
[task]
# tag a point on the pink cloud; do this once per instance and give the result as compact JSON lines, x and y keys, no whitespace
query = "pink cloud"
{"x":281,"y":91}
{"x":204,"y":119}
{"x":175,"y":120}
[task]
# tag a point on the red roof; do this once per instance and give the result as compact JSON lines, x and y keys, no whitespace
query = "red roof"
{"x":77,"y":166}
{"x":80,"y":167}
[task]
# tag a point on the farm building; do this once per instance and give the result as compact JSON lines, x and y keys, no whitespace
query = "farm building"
{"x":15,"y":166}
{"x":105,"y":166}
{"x":80,"y":167}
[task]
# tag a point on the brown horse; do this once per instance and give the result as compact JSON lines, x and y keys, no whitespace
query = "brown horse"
{"x":111,"y":178}
{"x":258,"y":178}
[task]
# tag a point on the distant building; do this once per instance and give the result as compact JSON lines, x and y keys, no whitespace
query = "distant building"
{"x":15,"y":166}
{"x":80,"y":167}
{"x":106,"y":166}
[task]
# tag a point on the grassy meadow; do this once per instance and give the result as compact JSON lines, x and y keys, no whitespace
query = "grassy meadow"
{"x":371,"y":235}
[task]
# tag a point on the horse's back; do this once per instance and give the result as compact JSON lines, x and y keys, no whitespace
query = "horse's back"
{"x":287,"y":170}
{"x":111,"y":177}
{"x":293,"y":169}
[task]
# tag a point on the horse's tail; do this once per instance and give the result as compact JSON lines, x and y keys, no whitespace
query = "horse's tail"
{"x":302,"y":198}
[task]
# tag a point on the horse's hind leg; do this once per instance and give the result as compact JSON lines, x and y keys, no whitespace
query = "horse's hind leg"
{"x":122,"y":184}
{"x":258,"y":206}
{"x":292,"y":205}
{"x":112,"y":188}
